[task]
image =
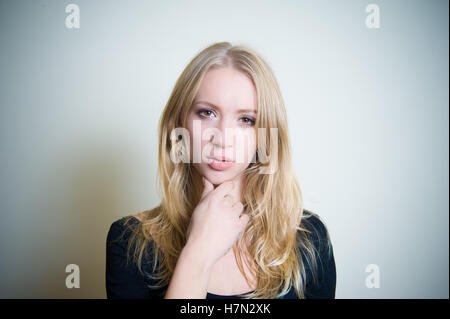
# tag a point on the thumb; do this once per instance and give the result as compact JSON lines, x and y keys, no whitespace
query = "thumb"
{"x":207,"y":187}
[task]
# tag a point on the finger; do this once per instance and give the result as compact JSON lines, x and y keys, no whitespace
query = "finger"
{"x":243,"y":220}
{"x":238,"y":207}
{"x":224,"y":188}
{"x":229,"y":199}
{"x":207,"y":187}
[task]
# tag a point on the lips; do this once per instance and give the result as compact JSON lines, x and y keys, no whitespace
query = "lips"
{"x":221,"y":159}
{"x":220,"y":163}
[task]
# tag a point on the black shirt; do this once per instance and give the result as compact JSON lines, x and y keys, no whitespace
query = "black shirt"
{"x":124,"y":280}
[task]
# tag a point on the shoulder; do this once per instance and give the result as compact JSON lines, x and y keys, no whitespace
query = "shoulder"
{"x":123,"y":223}
{"x":121,"y":229}
{"x":320,"y":269}
{"x":316,"y":230}
{"x":314,"y":221}
{"x":124,"y":279}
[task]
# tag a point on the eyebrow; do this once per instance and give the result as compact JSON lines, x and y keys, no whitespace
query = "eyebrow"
{"x":217,"y":107}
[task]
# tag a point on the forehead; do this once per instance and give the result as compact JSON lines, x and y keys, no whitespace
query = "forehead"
{"x":227,"y":88}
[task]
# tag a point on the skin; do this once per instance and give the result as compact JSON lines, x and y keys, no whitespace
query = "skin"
{"x":229,"y":90}
{"x":217,"y":221}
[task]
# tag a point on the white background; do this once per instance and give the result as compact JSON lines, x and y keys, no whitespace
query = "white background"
{"x":368,"y":119}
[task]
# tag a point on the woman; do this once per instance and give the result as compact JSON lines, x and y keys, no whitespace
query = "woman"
{"x":220,"y":193}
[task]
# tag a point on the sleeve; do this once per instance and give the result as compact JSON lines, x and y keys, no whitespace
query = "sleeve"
{"x":326,"y":269}
{"x":123,"y":281}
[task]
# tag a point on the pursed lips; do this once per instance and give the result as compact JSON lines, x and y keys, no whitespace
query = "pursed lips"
{"x":222,"y":159}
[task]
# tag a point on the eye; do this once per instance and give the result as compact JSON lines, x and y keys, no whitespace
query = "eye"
{"x":208,"y":113}
{"x":248,"y":121}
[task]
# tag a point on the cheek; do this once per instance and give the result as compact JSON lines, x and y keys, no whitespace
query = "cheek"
{"x":190,"y":128}
{"x":246,"y":145}
{"x":196,"y":140}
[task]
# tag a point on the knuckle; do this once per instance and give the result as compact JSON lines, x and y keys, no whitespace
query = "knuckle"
{"x":228,"y":200}
{"x":245,"y":219}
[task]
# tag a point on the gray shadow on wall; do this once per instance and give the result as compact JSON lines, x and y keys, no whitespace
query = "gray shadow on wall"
{"x":90,"y":185}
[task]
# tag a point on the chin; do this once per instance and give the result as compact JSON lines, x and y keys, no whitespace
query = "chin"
{"x":218,"y":177}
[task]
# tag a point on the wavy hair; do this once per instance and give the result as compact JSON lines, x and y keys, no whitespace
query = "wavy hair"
{"x":280,"y":248}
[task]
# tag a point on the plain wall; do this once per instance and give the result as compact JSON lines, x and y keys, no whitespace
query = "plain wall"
{"x":368,"y":117}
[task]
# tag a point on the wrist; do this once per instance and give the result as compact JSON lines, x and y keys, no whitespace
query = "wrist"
{"x":194,"y":255}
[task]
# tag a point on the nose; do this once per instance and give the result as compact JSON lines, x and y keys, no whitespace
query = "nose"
{"x":224,"y":141}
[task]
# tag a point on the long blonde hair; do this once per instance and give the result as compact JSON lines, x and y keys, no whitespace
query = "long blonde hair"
{"x":273,"y":201}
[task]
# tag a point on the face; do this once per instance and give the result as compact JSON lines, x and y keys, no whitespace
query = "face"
{"x":221,"y":122}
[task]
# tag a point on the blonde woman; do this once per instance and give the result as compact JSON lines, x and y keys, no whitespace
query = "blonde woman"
{"x":231,"y":222}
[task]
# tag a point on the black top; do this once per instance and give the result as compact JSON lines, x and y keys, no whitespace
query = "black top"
{"x":124,"y":280}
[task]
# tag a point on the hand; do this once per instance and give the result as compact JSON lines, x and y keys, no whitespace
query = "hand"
{"x":216,"y":223}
